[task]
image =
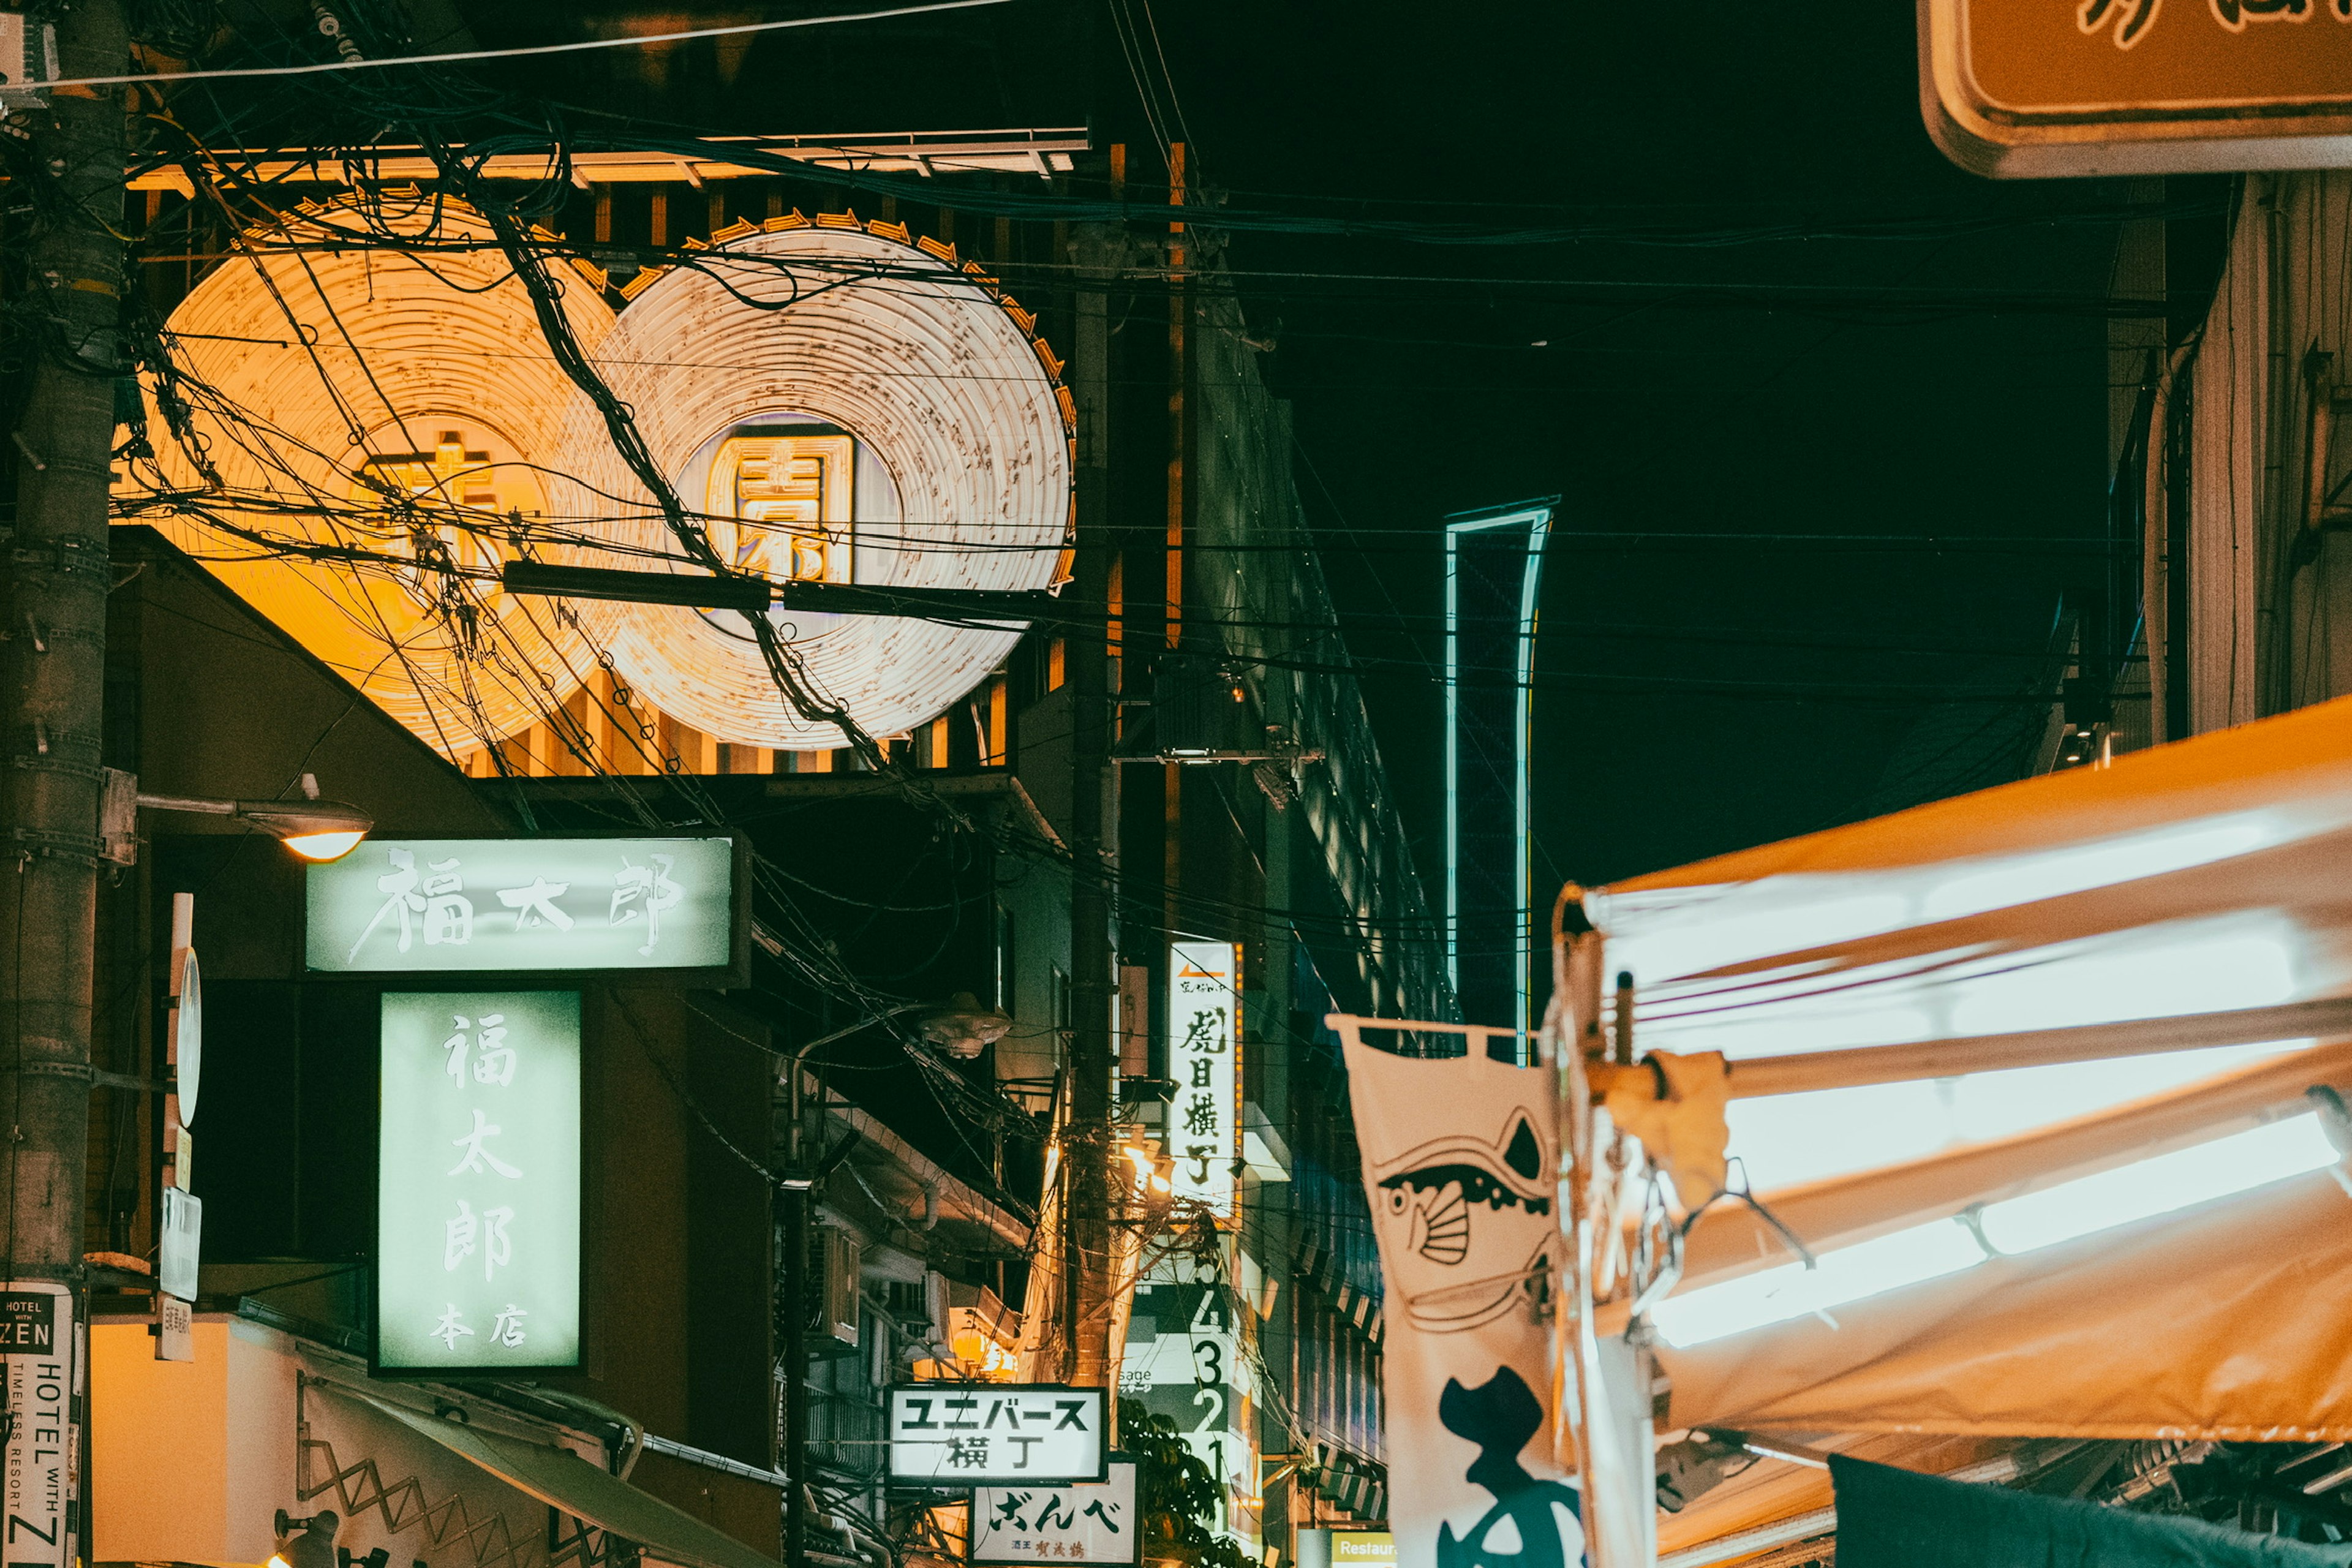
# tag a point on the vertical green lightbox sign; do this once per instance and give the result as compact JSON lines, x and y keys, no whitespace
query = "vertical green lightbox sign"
{"x":478,"y":1174}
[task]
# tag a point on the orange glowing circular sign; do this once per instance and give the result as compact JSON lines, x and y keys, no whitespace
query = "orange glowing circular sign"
{"x":379,"y":425}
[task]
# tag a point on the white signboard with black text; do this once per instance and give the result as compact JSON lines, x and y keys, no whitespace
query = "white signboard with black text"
{"x":974,"y":1435}
{"x":1205,"y":1033}
{"x":179,"y":1244}
{"x":1056,"y":1522}
{"x":38,"y":1476}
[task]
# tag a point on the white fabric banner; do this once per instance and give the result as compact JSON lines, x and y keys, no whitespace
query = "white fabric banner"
{"x":1460,"y":1160}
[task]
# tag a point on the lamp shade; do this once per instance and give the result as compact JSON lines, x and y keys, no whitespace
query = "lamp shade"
{"x":314,"y":829}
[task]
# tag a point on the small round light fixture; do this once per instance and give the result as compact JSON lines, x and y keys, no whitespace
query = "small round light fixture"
{"x":961,"y":1026}
{"x":314,"y":829}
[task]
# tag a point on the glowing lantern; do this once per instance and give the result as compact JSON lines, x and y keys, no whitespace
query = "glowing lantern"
{"x":404,"y":404}
{"x":888,"y":420}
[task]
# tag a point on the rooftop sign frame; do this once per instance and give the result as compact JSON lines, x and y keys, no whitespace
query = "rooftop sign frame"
{"x":2028,"y":89}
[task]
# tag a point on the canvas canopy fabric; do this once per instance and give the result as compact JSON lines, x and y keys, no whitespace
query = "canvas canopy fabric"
{"x":2174,"y":1327}
{"x":2153,"y":956}
{"x":1892,"y":1519}
{"x":2226,"y":1324}
{"x":2192,"y":882}
{"x":565,"y":1481}
{"x":1770,"y":1505}
{"x":1732,"y":1239}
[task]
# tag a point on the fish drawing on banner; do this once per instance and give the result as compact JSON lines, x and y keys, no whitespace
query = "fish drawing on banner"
{"x":1461,"y":1170}
{"x":1478,"y":1225}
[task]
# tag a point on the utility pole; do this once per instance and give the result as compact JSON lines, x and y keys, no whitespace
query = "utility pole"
{"x":1172,"y":672}
{"x":791,"y":1316}
{"x":57,"y":575}
{"x":1087,"y":1219}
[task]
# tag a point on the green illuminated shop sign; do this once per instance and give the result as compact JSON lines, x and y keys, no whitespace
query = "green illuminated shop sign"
{"x":478,"y":1182}
{"x":531,"y":906}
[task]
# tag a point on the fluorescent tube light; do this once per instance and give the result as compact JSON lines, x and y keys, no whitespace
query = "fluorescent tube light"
{"x":2146,"y":1189}
{"x":1792,"y":1290}
{"x":2143,"y":1190}
{"x":2005,"y":881}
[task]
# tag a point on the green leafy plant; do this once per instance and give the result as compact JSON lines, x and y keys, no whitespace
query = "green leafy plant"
{"x":1175,"y":1496}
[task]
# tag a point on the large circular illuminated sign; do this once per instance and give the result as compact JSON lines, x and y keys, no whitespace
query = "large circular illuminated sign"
{"x":836,"y":404}
{"x":372,"y":398}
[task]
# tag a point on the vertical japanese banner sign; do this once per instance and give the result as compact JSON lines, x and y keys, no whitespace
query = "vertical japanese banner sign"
{"x":1460,"y":1163}
{"x":1204,"y":1045}
{"x":42,"y":1476}
{"x":478,"y":1198}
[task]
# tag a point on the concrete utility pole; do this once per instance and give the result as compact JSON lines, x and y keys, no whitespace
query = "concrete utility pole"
{"x":57,"y":575}
{"x":1087,"y":1220}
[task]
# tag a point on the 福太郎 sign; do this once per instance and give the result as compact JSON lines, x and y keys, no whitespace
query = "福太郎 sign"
{"x":530,"y":906}
{"x":478,"y":1174}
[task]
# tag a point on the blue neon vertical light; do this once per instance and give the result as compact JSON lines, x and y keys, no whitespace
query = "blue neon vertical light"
{"x":1531,"y":521}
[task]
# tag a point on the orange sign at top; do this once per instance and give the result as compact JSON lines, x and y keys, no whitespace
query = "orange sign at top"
{"x":2031,"y":88}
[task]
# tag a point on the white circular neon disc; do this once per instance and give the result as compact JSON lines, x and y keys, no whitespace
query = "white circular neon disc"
{"x":900,"y":429}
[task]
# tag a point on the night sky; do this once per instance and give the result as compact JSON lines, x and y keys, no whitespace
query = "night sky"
{"x":1654,"y":414}
{"x":1844,"y":372}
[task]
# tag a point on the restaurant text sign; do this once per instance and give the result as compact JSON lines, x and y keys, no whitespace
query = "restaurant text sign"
{"x":478,"y":1170}
{"x":1056,"y":1521}
{"x":524,"y":906}
{"x":966,"y":1434}
{"x":2030,"y":89}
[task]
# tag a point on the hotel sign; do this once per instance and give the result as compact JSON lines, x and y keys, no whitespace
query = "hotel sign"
{"x":2031,"y":88}
{"x":478,"y":1182}
{"x":37,"y":1452}
{"x":670,"y":907}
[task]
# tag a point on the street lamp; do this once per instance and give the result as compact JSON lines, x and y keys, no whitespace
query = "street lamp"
{"x":313,"y":828}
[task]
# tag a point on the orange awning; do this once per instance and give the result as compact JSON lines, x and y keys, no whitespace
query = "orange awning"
{"x":2195,"y":899}
{"x":2194,"y":883}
